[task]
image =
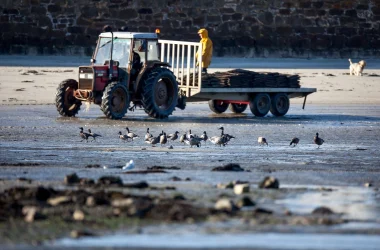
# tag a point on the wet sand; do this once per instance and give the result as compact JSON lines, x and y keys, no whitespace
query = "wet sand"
{"x":39,"y":145}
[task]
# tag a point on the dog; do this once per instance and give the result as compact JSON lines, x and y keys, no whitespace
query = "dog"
{"x":357,"y":68}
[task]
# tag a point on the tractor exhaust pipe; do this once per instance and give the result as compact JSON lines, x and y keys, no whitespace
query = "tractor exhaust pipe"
{"x":108,"y":28}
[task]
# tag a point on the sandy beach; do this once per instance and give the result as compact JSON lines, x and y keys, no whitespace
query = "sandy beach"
{"x":33,"y":80}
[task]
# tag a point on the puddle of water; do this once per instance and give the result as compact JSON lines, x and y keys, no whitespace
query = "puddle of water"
{"x":217,"y":241}
{"x":354,"y":202}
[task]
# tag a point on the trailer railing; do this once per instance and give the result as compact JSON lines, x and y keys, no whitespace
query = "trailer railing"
{"x":183,"y":60}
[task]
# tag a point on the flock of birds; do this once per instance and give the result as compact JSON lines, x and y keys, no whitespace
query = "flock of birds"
{"x":186,"y":138}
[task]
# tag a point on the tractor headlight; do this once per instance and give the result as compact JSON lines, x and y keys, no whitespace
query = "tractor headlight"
{"x":86,"y":76}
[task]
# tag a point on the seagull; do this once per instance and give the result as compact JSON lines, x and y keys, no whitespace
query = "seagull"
{"x":83,"y":135}
{"x":129,"y":165}
{"x":124,"y":137}
{"x":93,"y":135}
{"x":131,"y":134}
{"x":317,"y":140}
{"x":294,"y":141}
{"x":262,"y":141}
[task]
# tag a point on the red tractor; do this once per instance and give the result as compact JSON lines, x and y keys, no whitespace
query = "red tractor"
{"x":125,"y":68}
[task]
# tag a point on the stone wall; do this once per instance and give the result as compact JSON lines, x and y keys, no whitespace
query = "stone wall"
{"x":249,"y":28}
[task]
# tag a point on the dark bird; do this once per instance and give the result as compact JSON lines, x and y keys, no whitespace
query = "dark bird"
{"x":163,"y":139}
{"x":262,"y":141}
{"x":193,"y":141}
{"x":294,"y":141}
{"x":182,"y":138}
{"x":131,"y":134}
{"x":83,"y":135}
{"x":204,"y":136}
{"x":93,"y":135}
{"x":124,"y":137}
{"x":317,"y":140}
{"x":173,"y":137}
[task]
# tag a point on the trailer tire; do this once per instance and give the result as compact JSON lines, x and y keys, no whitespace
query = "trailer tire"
{"x":66,"y":103}
{"x":280,"y":104}
{"x":160,"y":93}
{"x":217,"y":106}
{"x":260,"y":104}
{"x":115,"y":101}
{"x":237,"y":108}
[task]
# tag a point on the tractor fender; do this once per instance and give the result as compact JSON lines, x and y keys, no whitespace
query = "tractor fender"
{"x":145,"y":69}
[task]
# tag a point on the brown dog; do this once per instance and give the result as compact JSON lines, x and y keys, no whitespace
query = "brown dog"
{"x":357,"y":68}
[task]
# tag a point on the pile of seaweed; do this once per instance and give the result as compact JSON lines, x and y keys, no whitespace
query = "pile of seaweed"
{"x":239,"y":78}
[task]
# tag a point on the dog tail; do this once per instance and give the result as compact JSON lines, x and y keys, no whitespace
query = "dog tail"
{"x":349,"y":59}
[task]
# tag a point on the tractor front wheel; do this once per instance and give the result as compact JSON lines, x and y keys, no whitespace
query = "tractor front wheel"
{"x":115,"y":101}
{"x":66,"y":103}
{"x":160,"y":93}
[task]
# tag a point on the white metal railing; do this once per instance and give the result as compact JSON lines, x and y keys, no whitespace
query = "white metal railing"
{"x":182,"y":58}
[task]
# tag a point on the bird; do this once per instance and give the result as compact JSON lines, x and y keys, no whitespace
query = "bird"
{"x":182,"y":138}
{"x":131,"y":134}
{"x":129,"y":165}
{"x":83,"y":135}
{"x":217,"y":140}
{"x":262,"y":141}
{"x":163,"y":138}
{"x":294,"y":141}
{"x":204,"y":136}
{"x":148,"y":135}
{"x":93,"y":135}
{"x":153,"y":140}
{"x":193,"y":141}
{"x":317,"y":140}
{"x":173,"y":137}
{"x":124,"y":137}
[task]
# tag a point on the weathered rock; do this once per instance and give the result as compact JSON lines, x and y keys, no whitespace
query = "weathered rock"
{"x":245,"y":202}
{"x":259,"y":211}
{"x":229,"y":167}
{"x":322,"y":211}
{"x":110,"y":180}
{"x":241,"y":188}
{"x":60,"y":200}
{"x":225,"y":205}
{"x":78,"y":215}
{"x":141,"y":184}
{"x":80,"y":233}
{"x":225,"y":186}
{"x":31,"y":214}
{"x":269,"y":182}
{"x":71,"y":179}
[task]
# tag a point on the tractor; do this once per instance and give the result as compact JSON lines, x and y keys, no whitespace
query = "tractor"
{"x":125,"y":68}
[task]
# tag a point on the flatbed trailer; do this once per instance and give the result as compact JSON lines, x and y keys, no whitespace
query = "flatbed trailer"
{"x":182,"y":58}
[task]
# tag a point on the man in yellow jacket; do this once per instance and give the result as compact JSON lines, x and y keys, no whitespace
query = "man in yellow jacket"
{"x":206,"y":49}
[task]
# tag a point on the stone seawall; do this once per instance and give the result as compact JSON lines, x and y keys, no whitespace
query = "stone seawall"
{"x":247,"y":28}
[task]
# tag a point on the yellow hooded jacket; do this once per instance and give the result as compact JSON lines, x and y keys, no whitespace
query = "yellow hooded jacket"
{"x":206,"y":48}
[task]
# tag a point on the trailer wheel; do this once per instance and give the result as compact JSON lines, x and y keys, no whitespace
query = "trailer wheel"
{"x":66,"y":103}
{"x":160,"y":93}
{"x":115,"y":101}
{"x":237,"y":108}
{"x":280,"y":104}
{"x":218,"y":106}
{"x":260,"y":104}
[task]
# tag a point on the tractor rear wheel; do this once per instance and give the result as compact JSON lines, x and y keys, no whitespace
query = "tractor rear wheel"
{"x":237,"y":108}
{"x":115,"y":101}
{"x":160,"y":93}
{"x":66,"y":103}
{"x":280,"y":104}
{"x":218,"y":106}
{"x":260,"y":104}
